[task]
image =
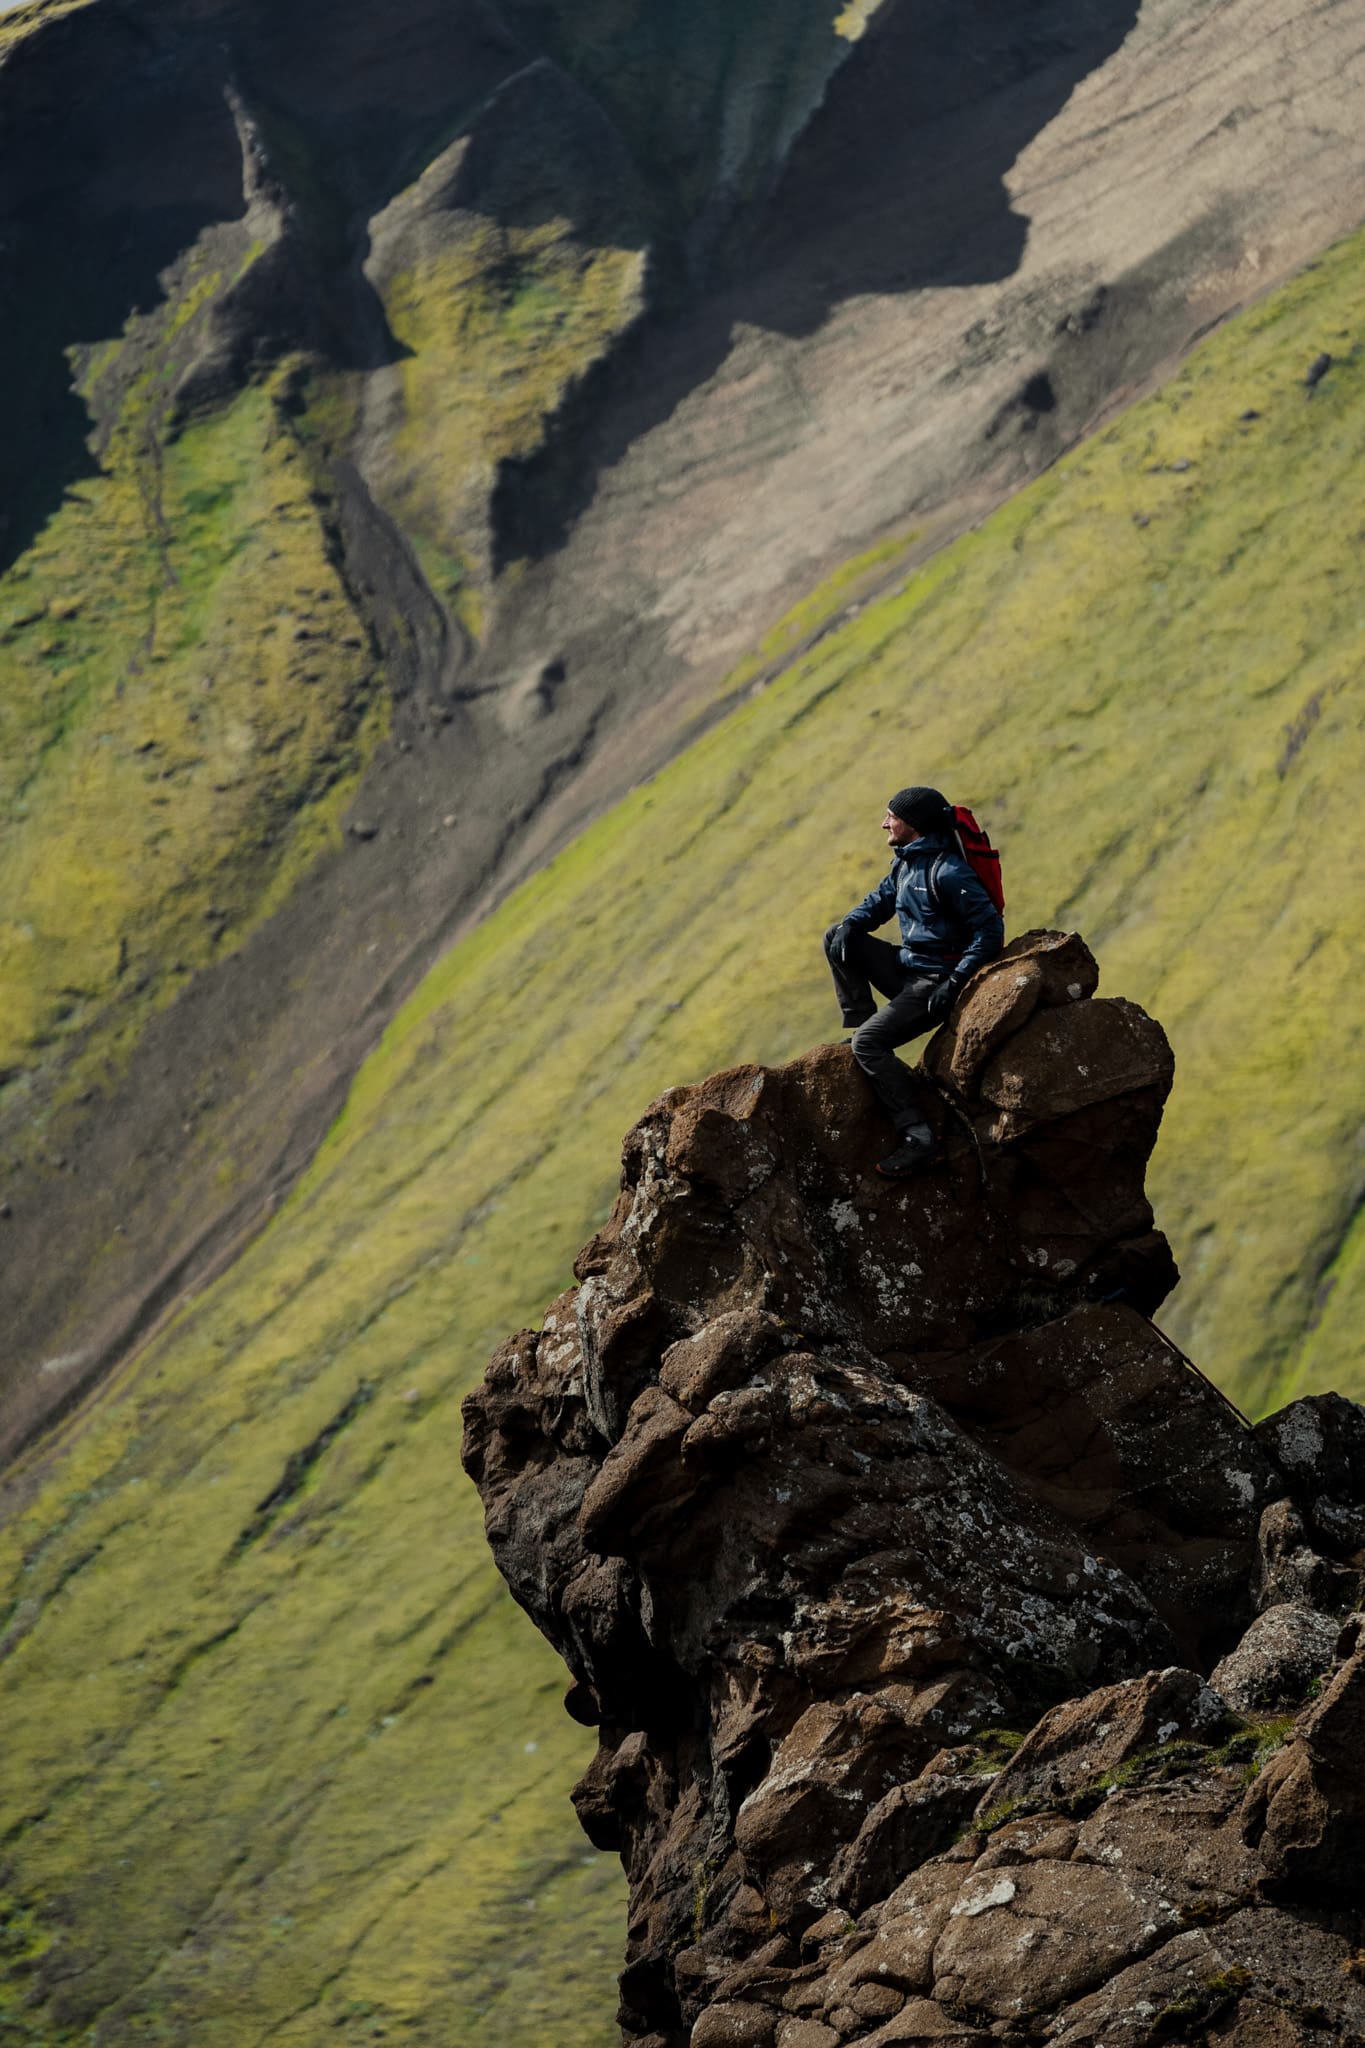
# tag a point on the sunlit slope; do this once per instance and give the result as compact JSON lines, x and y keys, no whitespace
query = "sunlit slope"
{"x":267,"y":1716}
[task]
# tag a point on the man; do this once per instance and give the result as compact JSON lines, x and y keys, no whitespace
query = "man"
{"x":949,"y":926}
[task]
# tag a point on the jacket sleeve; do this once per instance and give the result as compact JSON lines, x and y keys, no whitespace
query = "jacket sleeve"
{"x":876,"y":907}
{"x":971,"y":909}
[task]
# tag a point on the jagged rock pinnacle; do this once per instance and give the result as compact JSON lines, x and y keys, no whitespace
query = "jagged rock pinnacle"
{"x":891,"y":1547}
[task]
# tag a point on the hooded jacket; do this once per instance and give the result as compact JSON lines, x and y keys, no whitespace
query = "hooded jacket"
{"x":950,"y":929}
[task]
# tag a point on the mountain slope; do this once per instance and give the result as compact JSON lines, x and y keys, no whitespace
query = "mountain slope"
{"x":268,"y":1716}
{"x":319,"y":281}
{"x":414,"y":417}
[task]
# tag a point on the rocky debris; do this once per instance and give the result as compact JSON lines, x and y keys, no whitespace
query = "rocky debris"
{"x":930,"y":1609}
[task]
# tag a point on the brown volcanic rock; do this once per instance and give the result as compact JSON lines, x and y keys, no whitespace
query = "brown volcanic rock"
{"x":1044,"y":969}
{"x":1306,"y":1814}
{"x":815,"y":1480}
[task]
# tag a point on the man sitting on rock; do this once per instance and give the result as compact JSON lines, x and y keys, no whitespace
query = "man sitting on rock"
{"x":949,"y":926}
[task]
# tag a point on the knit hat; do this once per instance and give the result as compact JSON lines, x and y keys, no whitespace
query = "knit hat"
{"x":928,"y":810}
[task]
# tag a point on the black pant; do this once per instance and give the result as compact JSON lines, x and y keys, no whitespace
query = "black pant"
{"x":870,"y":963}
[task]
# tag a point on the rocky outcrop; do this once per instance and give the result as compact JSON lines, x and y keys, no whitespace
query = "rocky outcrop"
{"x":891,"y":1547}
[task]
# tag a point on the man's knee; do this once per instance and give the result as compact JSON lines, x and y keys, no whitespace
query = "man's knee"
{"x":868,"y":1045}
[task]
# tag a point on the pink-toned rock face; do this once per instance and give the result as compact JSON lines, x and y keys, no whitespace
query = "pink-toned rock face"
{"x":816,"y":1480}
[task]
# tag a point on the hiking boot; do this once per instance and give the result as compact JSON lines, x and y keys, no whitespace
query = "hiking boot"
{"x":914,"y":1154}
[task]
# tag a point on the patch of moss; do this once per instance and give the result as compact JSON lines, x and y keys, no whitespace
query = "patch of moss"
{"x":1252,"y":1747}
{"x":1189,"y":2017}
{"x":495,"y":322}
{"x":1163,"y":1764}
{"x":994,"y":1748}
{"x":186,"y":699}
{"x":18,"y":22}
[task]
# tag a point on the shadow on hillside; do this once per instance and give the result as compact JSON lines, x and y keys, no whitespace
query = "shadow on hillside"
{"x":120,"y":148}
{"x":898,"y":185}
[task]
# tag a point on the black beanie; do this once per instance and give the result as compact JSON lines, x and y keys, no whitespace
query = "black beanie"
{"x":928,"y":810}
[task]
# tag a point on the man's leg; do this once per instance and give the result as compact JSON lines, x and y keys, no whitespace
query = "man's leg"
{"x":868,"y":963}
{"x":873,"y":1047}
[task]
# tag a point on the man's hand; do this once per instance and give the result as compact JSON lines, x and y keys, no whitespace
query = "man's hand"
{"x":839,"y":939}
{"x":942,"y":998}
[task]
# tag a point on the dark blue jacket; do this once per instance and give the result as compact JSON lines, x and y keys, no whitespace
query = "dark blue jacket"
{"x":956,"y":919}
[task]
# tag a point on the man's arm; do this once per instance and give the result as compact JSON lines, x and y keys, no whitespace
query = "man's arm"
{"x":876,"y":907}
{"x":964,"y":898}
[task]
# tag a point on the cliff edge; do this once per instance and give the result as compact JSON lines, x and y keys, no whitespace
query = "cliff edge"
{"x":944,"y":1630}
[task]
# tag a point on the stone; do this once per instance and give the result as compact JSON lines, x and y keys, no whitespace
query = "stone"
{"x":919,"y":2022}
{"x":876,"y":2001}
{"x":1291,"y":1570}
{"x":1319,"y":1443}
{"x":1080,"y":1743}
{"x":837,"y":1757}
{"x":1305,"y":1813}
{"x":1284,"y":1650}
{"x":1087,"y":1412}
{"x":720,"y":1357}
{"x":806,"y":2034}
{"x":1178,"y":1980}
{"x":1022,"y":1940}
{"x":1065,"y":1061}
{"x":911,"y":1823}
{"x":734,"y":2026}
{"x":1039,"y":968}
{"x":641,"y":1473}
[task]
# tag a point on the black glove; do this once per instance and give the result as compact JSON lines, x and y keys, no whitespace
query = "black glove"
{"x":839,"y":948}
{"x":942,"y":998}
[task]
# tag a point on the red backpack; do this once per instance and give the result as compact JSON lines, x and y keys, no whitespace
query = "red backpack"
{"x":980,"y":856}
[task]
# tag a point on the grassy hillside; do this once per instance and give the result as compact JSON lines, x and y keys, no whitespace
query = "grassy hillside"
{"x":283,"y":1760}
{"x":185,"y":697}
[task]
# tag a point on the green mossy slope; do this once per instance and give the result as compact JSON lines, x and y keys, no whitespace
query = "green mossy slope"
{"x":185,"y":698}
{"x":267,"y":1713}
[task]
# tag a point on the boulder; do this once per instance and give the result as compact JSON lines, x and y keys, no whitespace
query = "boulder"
{"x":911,"y":1823}
{"x":1038,"y":970}
{"x":1291,"y":1571}
{"x":1066,"y":1061}
{"x":1319,"y":1444}
{"x":1286,"y":1648}
{"x":1305,"y":1814}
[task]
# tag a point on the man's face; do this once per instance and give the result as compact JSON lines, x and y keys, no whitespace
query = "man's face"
{"x":898,"y":833}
